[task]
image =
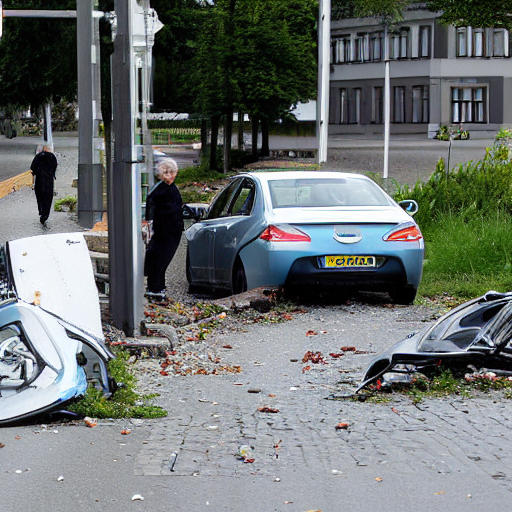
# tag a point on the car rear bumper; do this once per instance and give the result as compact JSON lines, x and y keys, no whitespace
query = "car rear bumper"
{"x":295,"y":263}
{"x":307,"y":272}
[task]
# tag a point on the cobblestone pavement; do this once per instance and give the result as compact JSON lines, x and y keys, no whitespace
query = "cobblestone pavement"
{"x":442,"y":453}
{"x":451,"y":445}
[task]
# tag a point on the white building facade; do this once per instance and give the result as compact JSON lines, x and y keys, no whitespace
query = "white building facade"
{"x":440,"y":75}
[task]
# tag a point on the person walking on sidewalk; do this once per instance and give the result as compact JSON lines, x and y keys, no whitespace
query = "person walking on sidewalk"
{"x":164,"y":208}
{"x":43,"y":169}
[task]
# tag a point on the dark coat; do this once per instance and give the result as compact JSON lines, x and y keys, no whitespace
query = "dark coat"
{"x":163,"y":207}
{"x":44,"y":166}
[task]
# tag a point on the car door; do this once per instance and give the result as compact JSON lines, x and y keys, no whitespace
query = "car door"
{"x":231,"y":230}
{"x":201,"y":236}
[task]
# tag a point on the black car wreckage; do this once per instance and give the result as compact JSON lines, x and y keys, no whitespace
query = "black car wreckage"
{"x":475,"y":335}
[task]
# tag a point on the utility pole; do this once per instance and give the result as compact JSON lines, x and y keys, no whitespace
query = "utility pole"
{"x":90,"y":182}
{"x":324,"y":65}
{"x":124,"y":189}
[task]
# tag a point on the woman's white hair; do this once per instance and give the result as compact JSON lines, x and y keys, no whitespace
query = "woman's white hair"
{"x":165,"y":164}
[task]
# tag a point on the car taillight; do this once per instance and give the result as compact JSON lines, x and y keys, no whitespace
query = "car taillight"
{"x":405,"y":234}
{"x":284,"y":233}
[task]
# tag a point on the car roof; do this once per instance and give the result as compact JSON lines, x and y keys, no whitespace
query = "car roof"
{"x":265,"y":176}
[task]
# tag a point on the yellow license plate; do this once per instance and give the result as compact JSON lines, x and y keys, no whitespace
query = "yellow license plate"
{"x":349,"y":261}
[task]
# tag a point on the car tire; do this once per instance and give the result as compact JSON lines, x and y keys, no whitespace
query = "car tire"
{"x":239,"y":281}
{"x":403,"y":294}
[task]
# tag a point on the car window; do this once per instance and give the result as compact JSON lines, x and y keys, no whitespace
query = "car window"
{"x":220,"y":207}
{"x":320,"y":192}
{"x":244,"y":199}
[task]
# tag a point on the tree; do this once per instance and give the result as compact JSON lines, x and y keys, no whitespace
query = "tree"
{"x":275,"y":63}
{"x":38,"y":57}
{"x":476,"y":13}
{"x":173,"y":52}
{"x":389,"y":10}
{"x":256,"y":56}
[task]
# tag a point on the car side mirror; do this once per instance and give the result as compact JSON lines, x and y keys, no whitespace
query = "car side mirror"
{"x":410,"y":206}
{"x":195,"y":211}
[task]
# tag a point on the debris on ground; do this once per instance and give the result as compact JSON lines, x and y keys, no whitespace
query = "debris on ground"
{"x":266,"y":408}
{"x":245,"y":453}
{"x":90,"y":422}
{"x":314,"y":357}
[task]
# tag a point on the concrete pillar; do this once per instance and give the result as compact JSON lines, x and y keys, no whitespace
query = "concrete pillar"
{"x":124,"y":187}
{"x":90,"y":183}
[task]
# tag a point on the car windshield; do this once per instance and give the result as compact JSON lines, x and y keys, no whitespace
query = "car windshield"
{"x":326,"y":192}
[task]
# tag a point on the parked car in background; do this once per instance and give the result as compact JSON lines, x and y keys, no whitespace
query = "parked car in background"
{"x":299,"y":229}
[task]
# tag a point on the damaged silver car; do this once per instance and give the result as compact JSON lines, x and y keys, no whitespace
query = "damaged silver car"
{"x":51,"y":339}
{"x":476,"y":334}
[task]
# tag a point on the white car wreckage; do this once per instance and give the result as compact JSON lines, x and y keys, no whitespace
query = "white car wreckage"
{"x":51,"y":339}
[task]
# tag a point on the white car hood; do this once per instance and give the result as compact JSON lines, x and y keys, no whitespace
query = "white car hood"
{"x":55,"y":272}
{"x":352,"y":215}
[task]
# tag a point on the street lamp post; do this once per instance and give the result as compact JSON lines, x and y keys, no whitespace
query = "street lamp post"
{"x":324,"y":65}
{"x":387,"y":104}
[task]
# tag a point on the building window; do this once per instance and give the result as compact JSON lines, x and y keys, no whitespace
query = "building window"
{"x":462,"y":42}
{"x":468,"y":105}
{"x":498,"y":43}
{"x":366,"y":47}
{"x":424,"y":42}
{"x":377,"y":105}
{"x":399,"y":44}
{"x":344,"y":110}
{"x":376,"y":44}
{"x":394,"y":46}
{"x":355,"y":113}
{"x":399,"y":105}
{"x":478,"y":42}
{"x":404,"y":43}
{"x":420,"y":105}
{"x":340,"y":50}
{"x":359,"y":48}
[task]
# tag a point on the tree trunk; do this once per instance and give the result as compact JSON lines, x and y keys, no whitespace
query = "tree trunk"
{"x":204,"y":135}
{"x":213,"y":143}
{"x":240,"y":130}
{"x":255,"y":122}
{"x":265,"y":150}
{"x":228,"y":131}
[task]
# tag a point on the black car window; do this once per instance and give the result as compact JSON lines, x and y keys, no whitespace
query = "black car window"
{"x":220,"y":207}
{"x":244,"y":199}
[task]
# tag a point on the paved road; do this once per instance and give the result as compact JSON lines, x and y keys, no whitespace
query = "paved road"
{"x":411,"y":158}
{"x":446,"y":453}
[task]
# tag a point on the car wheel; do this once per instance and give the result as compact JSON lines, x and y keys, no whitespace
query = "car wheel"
{"x":403,"y":294}
{"x":239,"y":280}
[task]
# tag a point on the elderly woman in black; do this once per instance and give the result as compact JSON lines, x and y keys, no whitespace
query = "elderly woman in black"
{"x":163,"y":207}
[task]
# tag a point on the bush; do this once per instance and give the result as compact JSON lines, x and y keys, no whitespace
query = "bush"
{"x":125,"y":402}
{"x":67,"y":203}
{"x":466,"y":191}
{"x":466,"y":219}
